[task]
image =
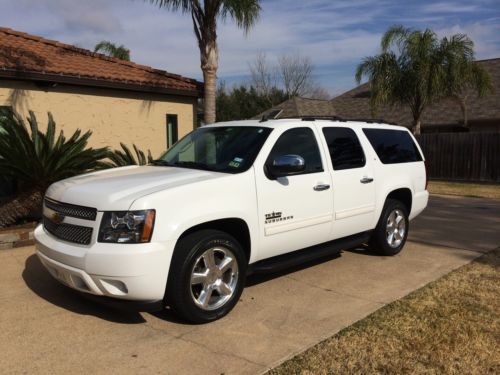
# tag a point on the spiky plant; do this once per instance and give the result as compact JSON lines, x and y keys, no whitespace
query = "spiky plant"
{"x":415,"y":69}
{"x":123,"y":157}
{"x":35,"y":160}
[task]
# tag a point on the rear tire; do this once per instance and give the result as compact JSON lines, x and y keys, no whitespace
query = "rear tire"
{"x":389,"y":237}
{"x":207,"y":276}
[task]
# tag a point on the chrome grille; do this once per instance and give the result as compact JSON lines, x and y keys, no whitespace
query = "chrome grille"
{"x":72,"y":210}
{"x":68,"y":232}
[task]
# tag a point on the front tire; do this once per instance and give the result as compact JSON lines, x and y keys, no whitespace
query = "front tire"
{"x":389,"y":237}
{"x":206,"y":277}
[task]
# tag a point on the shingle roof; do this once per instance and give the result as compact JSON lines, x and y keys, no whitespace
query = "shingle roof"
{"x":355,"y":104}
{"x":300,"y":107}
{"x":27,"y":56}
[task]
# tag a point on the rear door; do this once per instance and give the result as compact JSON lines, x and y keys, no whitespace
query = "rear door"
{"x":352,"y":181}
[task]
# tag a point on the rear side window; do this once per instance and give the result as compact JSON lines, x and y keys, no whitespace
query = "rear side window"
{"x":344,"y":147}
{"x":298,"y":141}
{"x":393,"y":146}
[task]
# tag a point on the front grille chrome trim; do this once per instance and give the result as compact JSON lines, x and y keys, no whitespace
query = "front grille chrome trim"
{"x":71,"y":210}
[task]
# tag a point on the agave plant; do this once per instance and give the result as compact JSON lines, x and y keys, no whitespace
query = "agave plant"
{"x":35,"y":160}
{"x":121,"y":158}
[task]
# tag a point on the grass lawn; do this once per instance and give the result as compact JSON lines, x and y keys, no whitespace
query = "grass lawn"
{"x":464,"y":188}
{"x":451,"y":325}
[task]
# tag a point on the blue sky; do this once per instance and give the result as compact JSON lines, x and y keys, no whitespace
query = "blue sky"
{"x":336,"y":35}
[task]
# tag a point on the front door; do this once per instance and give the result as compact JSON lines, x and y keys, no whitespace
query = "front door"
{"x":294,"y":211}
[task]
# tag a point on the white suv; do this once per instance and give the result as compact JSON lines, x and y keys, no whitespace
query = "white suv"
{"x":229,"y":199}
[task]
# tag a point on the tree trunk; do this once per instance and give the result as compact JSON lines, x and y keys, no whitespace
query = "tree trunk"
{"x":463,"y":107}
{"x":416,"y":126}
{"x":20,"y":207}
{"x":209,"y":65}
{"x":209,"y":108}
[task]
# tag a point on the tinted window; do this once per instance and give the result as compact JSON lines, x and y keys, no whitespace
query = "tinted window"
{"x":393,"y":146}
{"x":230,"y":149}
{"x":344,"y":147}
{"x":302,"y":142}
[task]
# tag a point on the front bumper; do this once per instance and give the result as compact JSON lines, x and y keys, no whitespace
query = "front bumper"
{"x":136,"y":272}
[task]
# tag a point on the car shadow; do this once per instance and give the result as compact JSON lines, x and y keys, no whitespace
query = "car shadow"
{"x":258,"y":278}
{"x":38,"y":279}
{"x":364,"y":249}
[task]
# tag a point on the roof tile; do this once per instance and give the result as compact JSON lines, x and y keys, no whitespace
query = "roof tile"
{"x":28,"y":53}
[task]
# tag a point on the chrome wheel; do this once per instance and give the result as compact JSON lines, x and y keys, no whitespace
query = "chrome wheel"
{"x":395,"y":228}
{"x":214,"y":278}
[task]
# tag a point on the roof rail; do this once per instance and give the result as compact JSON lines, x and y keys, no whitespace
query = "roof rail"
{"x":314,"y":118}
{"x":372,"y":121}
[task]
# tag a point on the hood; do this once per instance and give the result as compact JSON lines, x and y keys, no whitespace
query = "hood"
{"x":118,"y":188}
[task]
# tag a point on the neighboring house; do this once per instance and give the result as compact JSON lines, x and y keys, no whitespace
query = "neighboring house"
{"x":119,"y":101}
{"x":445,"y":116}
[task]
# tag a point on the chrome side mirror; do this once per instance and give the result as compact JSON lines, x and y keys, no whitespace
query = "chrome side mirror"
{"x":286,"y":165}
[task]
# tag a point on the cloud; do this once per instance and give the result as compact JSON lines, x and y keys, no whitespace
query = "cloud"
{"x":336,"y":35}
{"x":449,"y":7}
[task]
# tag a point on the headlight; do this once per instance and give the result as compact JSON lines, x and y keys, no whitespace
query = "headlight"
{"x":127,"y":226}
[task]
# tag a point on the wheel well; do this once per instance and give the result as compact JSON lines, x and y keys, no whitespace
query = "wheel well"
{"x":235,"y":227}
{"x":403,"y":195}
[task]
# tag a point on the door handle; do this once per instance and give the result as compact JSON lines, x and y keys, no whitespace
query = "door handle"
{"x":321,"y":187}
{"x":366,"y":180}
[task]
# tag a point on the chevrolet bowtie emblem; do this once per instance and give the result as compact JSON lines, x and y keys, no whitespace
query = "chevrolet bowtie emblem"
{"x":57,"y":218}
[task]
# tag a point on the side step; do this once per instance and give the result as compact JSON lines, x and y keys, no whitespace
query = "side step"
{"x":288,"y":260}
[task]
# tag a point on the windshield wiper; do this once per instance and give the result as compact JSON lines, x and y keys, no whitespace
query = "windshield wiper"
{"x":191,"y":164}
{"x":162,"y":163}
{"x":181,"y":164}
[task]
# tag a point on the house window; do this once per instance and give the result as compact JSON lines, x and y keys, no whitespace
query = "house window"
{"x":172,"y":130}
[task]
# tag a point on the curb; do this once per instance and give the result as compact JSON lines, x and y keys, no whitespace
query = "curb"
{"x":18,"y":236}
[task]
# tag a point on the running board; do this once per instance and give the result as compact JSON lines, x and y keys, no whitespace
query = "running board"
{"x":281,"y":262}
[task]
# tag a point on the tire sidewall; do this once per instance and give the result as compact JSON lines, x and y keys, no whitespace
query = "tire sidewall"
{"x":380,"y":236}
{"x":179,"y":284}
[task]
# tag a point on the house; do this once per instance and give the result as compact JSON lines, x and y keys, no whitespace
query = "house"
{"x":119,"y":101}
{"x":444,"y":116}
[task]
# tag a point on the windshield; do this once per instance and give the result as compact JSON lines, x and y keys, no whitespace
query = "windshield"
{"x":229,"y":149}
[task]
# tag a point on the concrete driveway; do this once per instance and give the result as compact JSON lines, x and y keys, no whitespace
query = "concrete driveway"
{"x":46,"y":328}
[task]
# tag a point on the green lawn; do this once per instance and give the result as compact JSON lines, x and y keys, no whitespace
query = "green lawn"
{"x":450,"y":326}
{"x":465,"y":188}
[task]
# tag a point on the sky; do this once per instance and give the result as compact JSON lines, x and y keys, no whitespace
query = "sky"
{"x":336,"y":35}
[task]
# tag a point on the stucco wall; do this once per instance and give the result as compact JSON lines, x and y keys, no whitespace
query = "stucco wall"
{"x":113,"y":116}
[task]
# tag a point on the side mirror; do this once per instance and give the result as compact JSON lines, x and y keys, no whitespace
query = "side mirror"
{"x":286,"y":165}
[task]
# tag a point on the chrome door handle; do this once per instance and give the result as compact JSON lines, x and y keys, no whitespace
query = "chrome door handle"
{"x":366,"y":180}
{"x":321,"y":187}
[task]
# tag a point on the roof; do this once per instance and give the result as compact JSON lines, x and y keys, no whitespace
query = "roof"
{"x":301,"y":107}
{"x":276,"y":123}
{"x":26,"y":56}
{"x":356,"y":103}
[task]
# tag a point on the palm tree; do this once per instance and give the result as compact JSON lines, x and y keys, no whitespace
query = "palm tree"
{"x":112,"y":50}
{"x":121,"y":158}
{"x":35,"y":160}
{"x":415,"y":68}
{"x":205,"y":15}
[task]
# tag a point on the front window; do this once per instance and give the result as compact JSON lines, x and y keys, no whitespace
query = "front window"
{"x":228,"y":149}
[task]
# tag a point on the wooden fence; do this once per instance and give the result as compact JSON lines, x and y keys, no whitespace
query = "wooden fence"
{"x":471,"y":157}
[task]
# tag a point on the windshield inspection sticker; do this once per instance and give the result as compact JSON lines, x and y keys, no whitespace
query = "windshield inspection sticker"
{"x":234,"y":164}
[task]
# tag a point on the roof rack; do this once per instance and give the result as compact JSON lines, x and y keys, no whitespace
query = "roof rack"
{"x":372,"y":121}
{"x":314,"y":118}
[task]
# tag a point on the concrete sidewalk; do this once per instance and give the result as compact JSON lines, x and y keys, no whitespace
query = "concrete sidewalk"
{"x":45,"y":327}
